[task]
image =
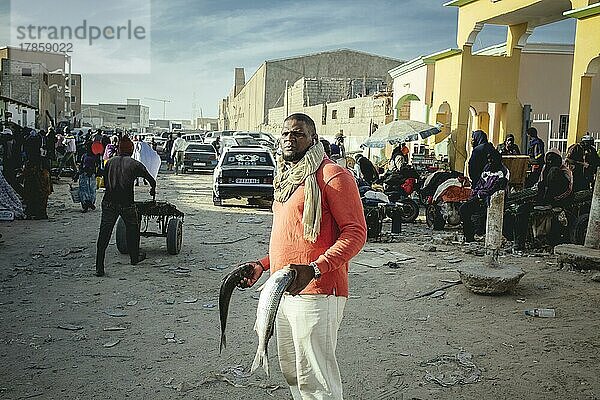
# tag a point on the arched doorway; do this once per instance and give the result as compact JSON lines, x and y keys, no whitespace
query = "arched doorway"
{"x":593,"y":122}
{"x":444,"y":117}
{"x":403,"y":106}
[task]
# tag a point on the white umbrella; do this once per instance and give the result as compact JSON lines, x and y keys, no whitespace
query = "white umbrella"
{"x":400,"y":131}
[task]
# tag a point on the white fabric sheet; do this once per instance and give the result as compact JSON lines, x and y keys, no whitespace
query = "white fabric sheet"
{"x":150,"y":158}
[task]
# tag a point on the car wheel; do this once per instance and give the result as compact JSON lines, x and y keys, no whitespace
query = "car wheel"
{"x":217,"y":201}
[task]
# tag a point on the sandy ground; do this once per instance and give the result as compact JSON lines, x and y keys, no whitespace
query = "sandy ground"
{"x":57,"y":320}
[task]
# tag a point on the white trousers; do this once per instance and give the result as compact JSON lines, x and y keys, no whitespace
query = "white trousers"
{"x":307,"y":327}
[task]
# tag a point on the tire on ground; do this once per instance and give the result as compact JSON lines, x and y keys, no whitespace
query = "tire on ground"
{"x":121,"y":236}
{"x":410,"y":210}
{"x":434,"y":218}
{"x":174,"y":235}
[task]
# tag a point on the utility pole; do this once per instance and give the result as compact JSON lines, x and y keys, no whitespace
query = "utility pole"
{"x":164,"y":101}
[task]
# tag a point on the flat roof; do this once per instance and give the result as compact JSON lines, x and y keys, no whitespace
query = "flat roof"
{"x":21,"y":103}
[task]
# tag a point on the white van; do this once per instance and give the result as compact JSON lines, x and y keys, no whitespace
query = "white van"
{"x":212,"y":135}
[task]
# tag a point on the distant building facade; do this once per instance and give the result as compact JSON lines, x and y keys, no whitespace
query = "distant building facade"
{"x":209,"y":124}
{"x":20,"y":113}
{"x":330,"y":76}
{"x":42,"y":80}
{"x":129,"y":116}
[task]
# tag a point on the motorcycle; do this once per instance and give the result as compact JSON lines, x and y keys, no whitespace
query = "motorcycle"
{"x":443,"y":193}
{"x":399,"y":186}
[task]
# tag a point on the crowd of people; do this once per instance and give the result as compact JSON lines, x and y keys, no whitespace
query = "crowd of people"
{"x":32,"y":159}
{"x":555,"y":179}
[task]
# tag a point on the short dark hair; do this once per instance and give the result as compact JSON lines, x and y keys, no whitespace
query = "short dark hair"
{"x":532,"y":132}
{"x":306,"y":119}
{"x":326,"y":146}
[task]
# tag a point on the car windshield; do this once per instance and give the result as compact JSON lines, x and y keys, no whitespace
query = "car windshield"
{"x":246,"y":159}
{"x":246,"y":141}
{"x":201,"y":147}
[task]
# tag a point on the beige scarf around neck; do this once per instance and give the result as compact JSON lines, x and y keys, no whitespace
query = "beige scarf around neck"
{"x":290,"y":177}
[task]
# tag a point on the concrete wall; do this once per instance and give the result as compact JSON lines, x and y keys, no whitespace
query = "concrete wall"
{"x":419,"y":83}
{"x":246,"y":111}
{"x":367,"y":110}
{"x":334,"y":64}
{"x":266,"y":89}
{"x":76,"y":92}
{"x":51,"y":61}
{"x":21,"y":115}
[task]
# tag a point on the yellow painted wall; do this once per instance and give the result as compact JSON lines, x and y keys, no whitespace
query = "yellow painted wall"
{"x":447,"y":89}
{"x":464,"y":79}
{"x":587,"y":48}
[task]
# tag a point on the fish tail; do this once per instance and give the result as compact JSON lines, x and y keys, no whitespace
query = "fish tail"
{"x":261,"y":358}
{"x":223,"y":342}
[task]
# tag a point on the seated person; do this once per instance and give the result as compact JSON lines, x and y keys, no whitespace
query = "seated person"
{"x":493,"y":178}
{"x":509,"y":147}
{"x":554,"y":189}
{"x":366,"y":169}
{"x":575,"y":161}
{"x":556,"y":180}
{"x":397,"y":159}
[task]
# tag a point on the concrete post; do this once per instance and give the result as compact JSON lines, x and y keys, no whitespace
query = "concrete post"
{"x":488,"y":276}
{"x":588,"y":255}
{"x":495,"y":218}
{"x":592,"y":237}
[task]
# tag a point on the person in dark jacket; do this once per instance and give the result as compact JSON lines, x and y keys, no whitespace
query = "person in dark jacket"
{"x":554,"y":188}
{"x":536,"y":154}
{"x":575,"y":162}
{"x":509,"y":148}
{"x":168,"y":148}
{"x":327,"y":147}
{"x":590,"y":158}
{"x":556,"y":180}
{"x":37,"y":185}
{"x":493,"y":178}
{"x":89,"y":164}
{"x":119,"y":176}
{"x":367,"y":169}
{"x":479,"y":156}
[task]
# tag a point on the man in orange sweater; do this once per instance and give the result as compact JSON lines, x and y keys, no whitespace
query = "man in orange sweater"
{"x":318,"y":226}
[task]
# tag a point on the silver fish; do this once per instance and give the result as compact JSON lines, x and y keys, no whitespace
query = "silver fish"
{"x":268,"y":303}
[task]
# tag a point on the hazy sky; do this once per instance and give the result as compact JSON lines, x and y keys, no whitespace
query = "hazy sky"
{"x":196,"y":44}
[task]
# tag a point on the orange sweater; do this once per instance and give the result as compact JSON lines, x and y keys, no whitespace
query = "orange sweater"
{"x":343,"y":231}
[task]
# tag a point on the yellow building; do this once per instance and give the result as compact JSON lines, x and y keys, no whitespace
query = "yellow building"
{"x":464,"y":78}
{"x":544,"y":85}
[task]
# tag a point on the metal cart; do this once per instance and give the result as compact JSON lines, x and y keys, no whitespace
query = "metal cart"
{"x":168,"y":218}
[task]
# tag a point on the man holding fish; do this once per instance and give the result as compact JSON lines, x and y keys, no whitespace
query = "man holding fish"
{"x":318,"y":226}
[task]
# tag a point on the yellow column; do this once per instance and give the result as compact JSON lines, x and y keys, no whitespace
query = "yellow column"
{"x":587,"y":52}
{"x":513,"y":37}
{"x":511,"y":121}
{"x":580,"y":109}
{"x":458,"y":151}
